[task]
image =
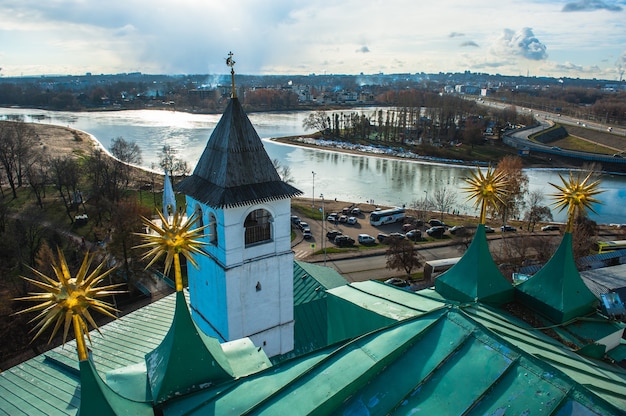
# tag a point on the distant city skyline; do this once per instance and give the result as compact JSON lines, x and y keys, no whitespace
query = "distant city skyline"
{"x":556,"y":38}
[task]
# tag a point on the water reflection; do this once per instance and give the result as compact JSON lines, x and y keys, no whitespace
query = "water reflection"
{"x":339,"y":175}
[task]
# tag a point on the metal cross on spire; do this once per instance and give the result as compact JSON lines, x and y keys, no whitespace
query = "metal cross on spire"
{"x":231,"y":63}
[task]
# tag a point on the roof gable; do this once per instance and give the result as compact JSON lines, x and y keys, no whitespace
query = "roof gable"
{"x":557,"y":291}
{"x":475,"y":277}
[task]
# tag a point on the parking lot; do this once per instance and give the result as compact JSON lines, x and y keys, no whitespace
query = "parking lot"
{"x":305,"y":247}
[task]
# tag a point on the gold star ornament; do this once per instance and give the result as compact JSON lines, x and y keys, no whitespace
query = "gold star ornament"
{"x":487,"y":189}
{"x":173,"y":239}
{"x":66,"y":300}
{"x":577,"y":195}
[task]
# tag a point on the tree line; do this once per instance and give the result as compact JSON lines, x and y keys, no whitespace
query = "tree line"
{"x":425,"y":118}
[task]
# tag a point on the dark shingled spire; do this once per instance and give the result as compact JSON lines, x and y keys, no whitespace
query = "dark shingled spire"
{"x":234,"y":168}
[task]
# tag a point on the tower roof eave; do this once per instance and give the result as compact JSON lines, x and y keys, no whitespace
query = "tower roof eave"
{"x":215,"y":196}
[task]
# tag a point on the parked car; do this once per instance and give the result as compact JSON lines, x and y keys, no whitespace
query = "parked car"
{"x":409,"y":219}
{"x":343,"y":218}
{"x":352,"y":220}
{"x":295,"y":219}
{"x":436,"y":223}
{"x":396,"y":281}
{"x":344,"y":241}
{"x":396,"y":236}
{"x":550,"y":227}
{"x":457,"y":229}
{"x":366,"y":240}
{"x":306,"y":233}
{"x":508,"y":229}
{"x":488,"y":229}
{"x":303,"y":225}
{"x":332,"y":217}
{"x":382,"y":237}
{"x":331,"y":234}
{"x":408,"y":227}
{"x":355,"y":211}
{"x":414,"y":235}
{"x":437,"y":231}
{"x":345,"y":211}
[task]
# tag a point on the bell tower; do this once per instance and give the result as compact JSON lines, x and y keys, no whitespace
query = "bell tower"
{"x":244,"y":287}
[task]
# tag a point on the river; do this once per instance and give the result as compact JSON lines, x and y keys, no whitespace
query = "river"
{"x":343,"y":176}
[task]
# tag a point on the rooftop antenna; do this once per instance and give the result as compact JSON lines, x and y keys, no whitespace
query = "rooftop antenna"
{"x":231,"y":63}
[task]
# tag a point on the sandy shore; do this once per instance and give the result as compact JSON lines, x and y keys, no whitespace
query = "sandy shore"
{"x":57,"y":141}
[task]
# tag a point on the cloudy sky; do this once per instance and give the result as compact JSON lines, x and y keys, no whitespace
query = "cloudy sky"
{"x":574,"y":38}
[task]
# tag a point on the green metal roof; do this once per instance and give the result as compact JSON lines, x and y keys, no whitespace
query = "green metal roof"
{"x":49,"y":384}
{"x":605,"y":380}
{"x":394,"y":352}
{"x":185,"y":359}
{"x":310,"y":283}
{"x":475,"y":277}
{"x":557,"y":291}
{"x":441,"y":362}
{"x":367,"y":306}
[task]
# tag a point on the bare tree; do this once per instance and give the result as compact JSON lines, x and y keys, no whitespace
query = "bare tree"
{"x":422,"y":207}
{"x":403,"y":255}
{"x":126,"y":226}
{"x":283,"y":171}
{"x":444,"y":199}
{"x":17,"y":143}
{"x":584,"y":236}
{"x":318,"y":120}
{"x":537,"y":212}
{"x":126,"y":151}
{"x":168,"y":161}
{"x":517,"y":187}
{"x":8,"y":150}
{"x":26,"y":140}
{"x":37,"y":177}
{"x":64,"y":173}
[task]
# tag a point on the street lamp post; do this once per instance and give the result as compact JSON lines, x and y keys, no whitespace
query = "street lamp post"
{"x":313,"y":199}
{"x":323,"y":222}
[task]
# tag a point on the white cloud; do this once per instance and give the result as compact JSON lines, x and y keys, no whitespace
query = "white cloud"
{"x":297,"y":36}
{"x":521,"y":43}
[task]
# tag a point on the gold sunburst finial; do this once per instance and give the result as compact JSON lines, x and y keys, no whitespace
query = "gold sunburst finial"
{"x":67,"y":300}
{"x":487,"y":189}
{"x":577,"y":196}
{"x":231,"y":63}
{"x":172,"y":239}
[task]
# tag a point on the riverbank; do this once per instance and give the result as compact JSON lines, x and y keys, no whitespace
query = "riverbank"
{"x":495,"y":152}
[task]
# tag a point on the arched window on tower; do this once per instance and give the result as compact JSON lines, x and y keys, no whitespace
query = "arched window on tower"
{"x":212,"y":229}
{"x":199,"y":218}
{"x":258,"y":227}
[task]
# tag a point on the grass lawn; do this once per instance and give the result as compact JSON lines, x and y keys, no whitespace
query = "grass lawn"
{"x":582,"y":145}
